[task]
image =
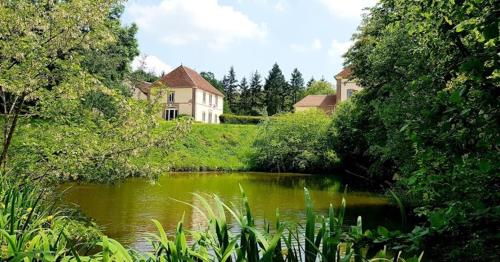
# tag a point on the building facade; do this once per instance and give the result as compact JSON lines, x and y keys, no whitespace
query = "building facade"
{"x":346,"y":86}
{"x":188,"y":93}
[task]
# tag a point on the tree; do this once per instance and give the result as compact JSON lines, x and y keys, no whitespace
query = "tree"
{"x":141,"y":74}
{"x":310,"y":82}
{"x":89,"y":128}
{"x":256,"y":94}
{"x":111,"y":64}
{"x":296,"y":88}
{"x":245,"y":106}
{"x":210,"y":77}
{"x":230,"y":85}
{"x":427,"y":119}
{"x":274,"y":90}
{"x":319,"y":88}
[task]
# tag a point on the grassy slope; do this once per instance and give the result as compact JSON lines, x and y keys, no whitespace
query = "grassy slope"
{"x":208,"y":148}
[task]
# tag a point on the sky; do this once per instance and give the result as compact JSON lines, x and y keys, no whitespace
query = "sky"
{"x":213,"y":35}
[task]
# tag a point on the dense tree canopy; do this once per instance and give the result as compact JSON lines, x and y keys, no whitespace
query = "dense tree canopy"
{"x":428,"y":117}
{"x":321,"y":87}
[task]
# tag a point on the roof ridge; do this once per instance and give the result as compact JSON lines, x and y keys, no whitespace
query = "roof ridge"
{"x":190,"y":78}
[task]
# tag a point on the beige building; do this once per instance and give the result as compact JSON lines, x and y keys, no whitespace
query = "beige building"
{"x":346,"y":86}
{"x":188,"y":94}
{"x":323,"y":102}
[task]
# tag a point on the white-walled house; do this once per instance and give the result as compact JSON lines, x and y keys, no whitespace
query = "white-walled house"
{"x":188,"y":94}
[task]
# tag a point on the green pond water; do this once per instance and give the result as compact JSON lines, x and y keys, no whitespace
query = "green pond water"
{"x":125,"y":210}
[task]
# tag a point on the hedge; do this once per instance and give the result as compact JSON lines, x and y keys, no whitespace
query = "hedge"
{"x":235,"y":119}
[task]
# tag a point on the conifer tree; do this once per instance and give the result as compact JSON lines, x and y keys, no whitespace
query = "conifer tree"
{"x":230,"y":85}
{"x":274,"y":90}
{"x":245,"y":106}
{"x":296,"y":88}
{"x":256,"y":94}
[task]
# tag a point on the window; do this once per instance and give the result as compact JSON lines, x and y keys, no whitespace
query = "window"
{"x":171,"y":114}
{"x":210,"y":99}
{"x":204,"y":98}
{"x":209,"y":117}
{"x":350,"y":92}
{"x":216,"y":101}
{"x":171,"y":97}
{"x":203,"y":116}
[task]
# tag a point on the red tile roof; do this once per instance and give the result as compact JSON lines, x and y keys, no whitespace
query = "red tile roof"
{"x":346,"y":73}
{"x":184,"y":76}
{"x":322,"y":101}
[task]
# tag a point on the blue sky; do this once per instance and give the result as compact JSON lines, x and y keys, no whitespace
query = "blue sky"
{"x":212,"y":35}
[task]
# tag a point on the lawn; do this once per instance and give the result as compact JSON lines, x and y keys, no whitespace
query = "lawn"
{"x":224,"y":147}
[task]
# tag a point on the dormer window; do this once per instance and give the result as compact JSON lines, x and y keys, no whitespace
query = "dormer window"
{"x":171,"y":97}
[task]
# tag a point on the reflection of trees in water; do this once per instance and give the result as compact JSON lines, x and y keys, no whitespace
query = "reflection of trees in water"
{"x":298,"y":181}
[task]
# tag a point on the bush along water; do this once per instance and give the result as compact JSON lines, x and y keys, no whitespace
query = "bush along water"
{"x":31,"y":230}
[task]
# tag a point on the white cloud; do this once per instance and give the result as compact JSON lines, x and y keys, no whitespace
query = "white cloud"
{"x":151,"y":64}
{"x":348,"y":8}
{"x":338,"y":49}
{"x":180,"y":22}
{"x":315,"y":45}
{"x":281,"y":6}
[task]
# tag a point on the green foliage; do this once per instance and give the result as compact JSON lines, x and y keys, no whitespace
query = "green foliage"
{"x":274,"y":90}
{"x":111,"y":64}
{"x":84,"y":127}
{"x":294,"y":142}
{"x":236,"y":119}
{"x":428,"y":117}
{"x":296,"y":89}
{"x":319,"y":88}
{"x":230,"y":85}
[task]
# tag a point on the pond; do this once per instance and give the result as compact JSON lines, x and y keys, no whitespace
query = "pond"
{"x":125,"y":210}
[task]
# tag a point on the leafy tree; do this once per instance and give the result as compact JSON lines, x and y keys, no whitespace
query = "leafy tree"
{"x":274,"y":90}
{"x":296,"y":87}
{"x":320,"y":88}
{"x":294,"y":142}
{"x":210,"y":77}
{"x":111,"y":64}
{"x":90,"y":129}
{"x":230,"y":84}
{"x":428,"y":116}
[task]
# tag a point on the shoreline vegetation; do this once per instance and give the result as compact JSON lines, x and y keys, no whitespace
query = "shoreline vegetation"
{"x":425,"y":127}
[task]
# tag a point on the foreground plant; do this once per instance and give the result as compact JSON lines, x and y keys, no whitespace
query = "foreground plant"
{"x":320,"y":239}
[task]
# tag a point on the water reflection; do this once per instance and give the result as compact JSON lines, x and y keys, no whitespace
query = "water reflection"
{"x":125,"y":210}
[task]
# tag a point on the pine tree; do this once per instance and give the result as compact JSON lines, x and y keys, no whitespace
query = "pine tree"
{"x":296,"y":88}
{"x":245,"y":106}
{"x":311,"y":81}
{"x":274,"y":90}
{"x":230,"y":85}
{"x":256,"y":94}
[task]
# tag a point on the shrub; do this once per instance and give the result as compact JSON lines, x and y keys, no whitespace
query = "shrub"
{"x":235,"y":119}
{"x":294,"y":142}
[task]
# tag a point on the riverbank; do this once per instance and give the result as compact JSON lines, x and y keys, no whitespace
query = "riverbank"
{"x":225,"y":147}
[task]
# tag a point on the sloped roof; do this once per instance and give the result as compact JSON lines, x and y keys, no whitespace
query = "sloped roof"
{"x":144,"y":87}
{"x":346,"y":73}
{"x":184,"y":76}
{"x":317,"y":101}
